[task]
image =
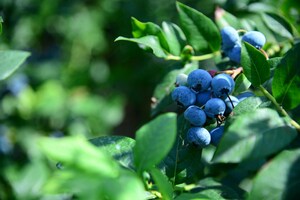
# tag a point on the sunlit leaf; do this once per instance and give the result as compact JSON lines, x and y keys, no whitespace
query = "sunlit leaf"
{"x":249,"y":135}
{"x":10,"y":61}
{"x":154,"y":140}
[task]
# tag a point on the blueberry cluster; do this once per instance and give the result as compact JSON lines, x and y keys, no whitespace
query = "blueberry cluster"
{"x":231,"y":42}
{"x":204,"y":98}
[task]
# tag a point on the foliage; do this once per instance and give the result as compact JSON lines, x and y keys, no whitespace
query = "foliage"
{"x":257,"y":157}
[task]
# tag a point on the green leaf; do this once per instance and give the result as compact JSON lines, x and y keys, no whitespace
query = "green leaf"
{"x":140,"y":29}
{"x":224,"y":18}
{"x":255,"y":65}
{"x":201,"y":32}
{"x":1,"y":21}
{"x":184,"y":162}
{"x":192,"y":196}
{"x":250,"y":104}
{"x":279,"y":179}
{"x":253,"y":135}
{"x":147,"y":42}
{"x":241,"y":84}
{"x":274,"y":62}
{"x":278,"y":25}
{"x":11,"y":61}
{"x":165,"y":87}
{"x":154,"y":140}
{"x":215,"y":190}
{"x":161,"y":181}
{"x":175,"y":37}
{"x":126,"y":187}
{"x":119,"y":147}
{"x":286,"y":81}
{"x":79,"y":153}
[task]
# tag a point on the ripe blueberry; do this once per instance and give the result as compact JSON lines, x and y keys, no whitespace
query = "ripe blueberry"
{"x":229,"y":102}
{"x":234,"y":54}
{"x":216,"y":135}
{"x":255,"y":38}
{"x":222,"y":85}
{"x":229,"y":37}
{"x":183,"y":96}
{"x":195,"y":115}
{"x":214,"y":107}
{"x":199,"y":80}
{"x":198,"y":136}
{"x":203,"y":97}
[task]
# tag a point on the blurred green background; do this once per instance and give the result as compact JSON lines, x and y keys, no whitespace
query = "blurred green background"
{"x":78,"y":81}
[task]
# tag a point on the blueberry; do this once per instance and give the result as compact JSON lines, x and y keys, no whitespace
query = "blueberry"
{"x":244,"y":95}
{"x":199,"y":80}
{"x":233,"y":100}
{"x":234,"y":54}
{"x":255,"y":38}
{"x":222,"y":85}
{"x":229,"y":37}
{"x":216,"y":135}
{"x":183,"y":96}
{"x":198,"y":136}
{"x":203,"y":97}
{"x":195,"y":115}
{"x":214,"y":107}
{"x":181,"y":79}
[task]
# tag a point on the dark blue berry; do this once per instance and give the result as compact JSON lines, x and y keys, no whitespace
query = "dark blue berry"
{"x":195,"y":115}
{"x":203,"y":97}
{"x":255,"y":38}
{"x":222,"y":85}
{"x":244,"y":95}
{"x":183,"y":96}
{"x":198,"y":136}
{"x":214,"y":107}
{"x":230,"y":102}
{"x":199,"y":80}
{"x":229,"y":37}
{"x":234,"y":54}
{"x":216,"y":134}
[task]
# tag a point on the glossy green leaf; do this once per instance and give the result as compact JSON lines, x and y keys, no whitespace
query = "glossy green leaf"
{"x":255,"y":65}
{"x":278,"y":25}
{"x":141,"y":29}
{"x":165,"y":87}
{"x":79,"y":153}
{"x":241,"y":84}
{"x":184,"y":161}
{"x":250,"y":104}
{"x":175,"y":37}
{"x":161,"y":181}
{"x":1,"y":21}
{"x":201,"y":32}
{"x":224,"y":18}
{"x":192,"y":196}
{"x":286,"y":81}
{"x":127,"y":186}
{"x":10,"y":61}
{"x":274,"y":62}
{"x":248,"y":136}
{"x":279,"y":179}
{"x":147,"y":42}
{"x":119,"y":147}
{"x":215,"y":190}
{"x":154,"y":140}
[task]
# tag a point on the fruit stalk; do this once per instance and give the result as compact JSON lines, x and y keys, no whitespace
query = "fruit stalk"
{"x":279,"y":108}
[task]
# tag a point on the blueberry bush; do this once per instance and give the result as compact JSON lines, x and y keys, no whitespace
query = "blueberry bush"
{"x":224,"y":117}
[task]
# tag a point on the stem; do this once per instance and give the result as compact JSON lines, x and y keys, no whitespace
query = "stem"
{"x":194,"y":58}
{"x":279,"y":108}
{"x":205,"y":56}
